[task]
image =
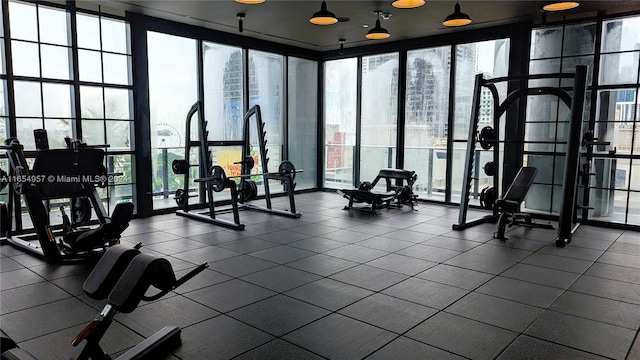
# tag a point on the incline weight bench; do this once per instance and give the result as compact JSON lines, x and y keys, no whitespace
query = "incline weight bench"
{"x":509,"y":205}
{"x":122,"y":276}
{"x":401,"y":194}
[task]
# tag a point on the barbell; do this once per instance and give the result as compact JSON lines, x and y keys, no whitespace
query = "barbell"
{"x":218,"y":178}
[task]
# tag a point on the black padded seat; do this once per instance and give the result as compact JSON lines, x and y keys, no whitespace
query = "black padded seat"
{"x":111,"y":230}
{"x":108,"y":271}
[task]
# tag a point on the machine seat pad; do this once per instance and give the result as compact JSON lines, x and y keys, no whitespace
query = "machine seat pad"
{"x":144,"y":271}
{"x":109,"y":269}
{"x":395,"y":174}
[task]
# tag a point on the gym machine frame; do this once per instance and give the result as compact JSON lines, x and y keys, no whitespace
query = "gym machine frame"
{"x":35,"y":192}
{"x":567,"y":220}
{"x":214,"y":179}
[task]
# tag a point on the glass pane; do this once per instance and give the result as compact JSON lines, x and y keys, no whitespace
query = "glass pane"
{"x":93,"y":132}
{"x":340,"y":121}
{"x":173,"y":89}
{"x":4,"y":129}
{"x":91,"y":102}
{"x":266,"y":89}
{"x":579,"y":39}
{"x":25,"y":59}
{"x":621,"y":34}
{"x":223,"y":91}
{"x":550,"y":168}
{"x":88,"y":31}
{"x":27,"y":95}
{"x":57,"y":100}
{"x":24,"y":131}
{"x":115,"y":36}
{"x":55,"y":62}
{"x":57,"y":130}
{"x":616,"y":112}
{"x":548,"y":66}
{"x":90,"y":65}
{"x":23,"y":22}
{"x":488,"y":57}
{"x":303,"y":120}
{"x":619,"y":134}
{"x":118,"y":104}
{"x":619,"y":68}
{"x":611,"y":206}
{"x":3,"y":68}
{"x":3,"y":99}
{"x":116,"y":69}
{"x":53,"y":26}
{"x":379,"y":114}
{"x":118,"y":135}
{"x":569,"y":66}
{"x":546,"y":43}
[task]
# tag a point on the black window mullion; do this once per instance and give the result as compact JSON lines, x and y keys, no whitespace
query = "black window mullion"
{"x":357,"y":150}
{"x":73,"y":27}
{"x":11,"y":103}
{"x":450,"y":123}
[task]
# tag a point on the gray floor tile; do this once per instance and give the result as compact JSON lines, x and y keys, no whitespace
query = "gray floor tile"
{"x":517,"y":242}
{"x":209,"y":254}
{"x":241,"y":265}
{"x":408,"y":349}
{"x":278,"y":315}
{"x":322,"y":265}
{"x":339,"y":337}
{"x":634,"y":353}
{"x":402,"y":264}
{"x":500,"y":252}
{"x":369,"y":277}
{"x":625,"y":248}
{"x":428,"y":293}
{"x":573,"y":252}
{"x":385,"y":243}
{"x":205,"y":278}
{"x":481,"y":263}
{"x":528,"y":348}
{"x":317,"y":244}
{"x":282,"y":254}
{"x":455,"y":276}
{"x":480,"y":341}
{"x":248,"y":245}
{"x":277,"y":350}
{"x":521,"y":291}
{"x":451,"y":243}
{"x":614,"y":272}
{"x":280,"y":278}
{"x":175,"y":246}
{"x":503,"y":313}
{"x":389,"y":313}
{"x":356,"y":253}
{"x":429,"y":253}
{"x":610,"y":289}
{"x":219,"y":338}
{"x":24,"y":297}
{"x":229,"y":295}
{"x":614,"y":258}
{"x":329,"y":294}
{"x":558,"y":262}
{"x":600,"y":309}
{"x":587,"y":335}
{"x":541,"y":275}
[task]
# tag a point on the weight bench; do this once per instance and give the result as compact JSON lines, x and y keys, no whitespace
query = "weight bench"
{"x":509,"y":205}
{"x":379,"y":199}
{"x":122,"y":276}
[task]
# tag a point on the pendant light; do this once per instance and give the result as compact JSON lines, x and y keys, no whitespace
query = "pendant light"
{"x":378,"y":32}
{"x":559,"y":6}
{"x":407,"y":4}
{"x":250,"y":2}
{"x":458,"y":18}
{"x":324,"y":16}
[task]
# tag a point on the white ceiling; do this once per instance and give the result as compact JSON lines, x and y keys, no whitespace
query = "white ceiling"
{"x":287,"y":21}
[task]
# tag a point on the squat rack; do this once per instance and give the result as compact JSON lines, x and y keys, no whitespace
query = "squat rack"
{"x":567,"y":219}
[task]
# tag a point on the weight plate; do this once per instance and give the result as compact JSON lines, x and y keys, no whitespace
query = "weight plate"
{"x":181,"y":198}
{"x":487,"y":137}
{"x":490,"y":168}
{"x":219,"y":178}
{"x":179,"y":166}
{"x":249,"y":190}
{"x":286,"y":168}
{"x":488,"y":198}
{"x":82,"y":210}
{"x":365,"y":186}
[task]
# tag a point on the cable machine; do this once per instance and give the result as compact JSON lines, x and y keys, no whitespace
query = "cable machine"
{"x":213,"y":178}
{"x":488,"y":138}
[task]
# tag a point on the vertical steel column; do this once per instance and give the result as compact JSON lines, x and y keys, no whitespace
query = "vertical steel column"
{"x":572,"y":160}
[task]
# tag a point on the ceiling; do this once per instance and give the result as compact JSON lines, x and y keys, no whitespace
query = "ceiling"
{"x":287,"y":21}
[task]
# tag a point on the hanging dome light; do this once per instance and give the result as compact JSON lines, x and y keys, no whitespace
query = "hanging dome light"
{"x":458,"y":18}
{"x":250,"y":2}
{"x":559,"y":6}
{"x":378,"y":32}
{"x":324,"y":16}
{"x":407,"y":4}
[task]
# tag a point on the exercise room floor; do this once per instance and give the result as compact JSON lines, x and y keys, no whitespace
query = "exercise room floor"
{"x":351,"y":285}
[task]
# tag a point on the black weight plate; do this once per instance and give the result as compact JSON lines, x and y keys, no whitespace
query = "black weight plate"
{"x":219,"y":178}
{"x":286,"y":168}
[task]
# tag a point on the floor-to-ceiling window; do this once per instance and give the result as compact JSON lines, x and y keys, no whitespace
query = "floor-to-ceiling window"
{"x":340,"y":110}
{"x":379,"y":114}
{"x":303,"y":120}
{"x":426,"y":119}
{"x":173,"y":89}
{"x":89,"y":98}
{"x":610,"y":114}
{"x":491,"y":58}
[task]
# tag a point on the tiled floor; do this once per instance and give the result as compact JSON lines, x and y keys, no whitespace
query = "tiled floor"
{"x":350,"y":285}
